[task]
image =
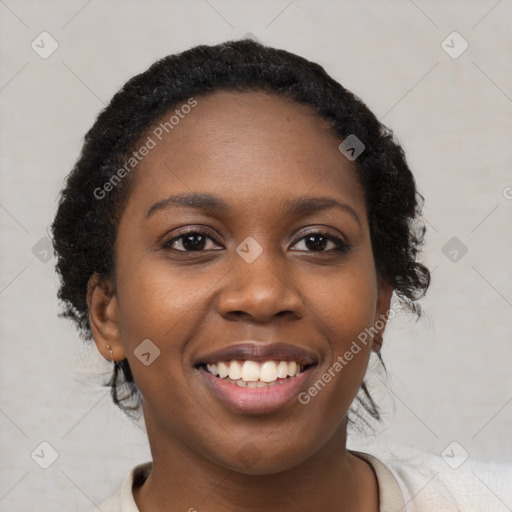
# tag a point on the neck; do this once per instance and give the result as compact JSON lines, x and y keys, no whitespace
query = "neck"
{"x":331,"y":479}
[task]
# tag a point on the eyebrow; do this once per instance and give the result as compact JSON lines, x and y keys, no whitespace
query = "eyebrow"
{"x":210,"y":203}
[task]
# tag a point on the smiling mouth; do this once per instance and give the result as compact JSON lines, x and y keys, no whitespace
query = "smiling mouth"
{"x":255,"y":374}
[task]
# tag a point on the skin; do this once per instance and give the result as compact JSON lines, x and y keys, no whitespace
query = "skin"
{"x":254,"y":150}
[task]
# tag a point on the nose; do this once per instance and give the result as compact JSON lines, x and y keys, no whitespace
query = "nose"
{"x":259,"y":291}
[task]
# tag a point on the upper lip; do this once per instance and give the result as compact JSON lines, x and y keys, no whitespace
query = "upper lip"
{"x":257,"y":351}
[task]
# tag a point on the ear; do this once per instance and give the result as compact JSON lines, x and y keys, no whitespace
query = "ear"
{"x":385,"y":291}
{"x":104,"y":318}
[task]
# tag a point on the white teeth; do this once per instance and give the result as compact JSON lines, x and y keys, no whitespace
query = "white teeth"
{"x":250,"y":371}
{"x":253,"y":384}
{"x":255,"y":374}
{"x":235,"y":370}
{"x":292,"y":368}
{"x":223,"y":369}
{"x":282,"y":370}
{"x":268,"y":371}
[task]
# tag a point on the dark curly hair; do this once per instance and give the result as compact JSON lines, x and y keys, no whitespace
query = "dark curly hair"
{"x":84,"y":228}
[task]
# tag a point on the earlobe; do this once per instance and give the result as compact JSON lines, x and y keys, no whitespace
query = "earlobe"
{"x":104,"y":318}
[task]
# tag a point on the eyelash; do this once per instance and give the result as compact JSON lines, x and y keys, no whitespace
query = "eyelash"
{"x":341,"y":245}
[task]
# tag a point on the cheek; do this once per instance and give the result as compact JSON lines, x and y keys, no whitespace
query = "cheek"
{"x":346,"y":315}
{"x":164,"y":308}
{"x":346,"y":303}
{"x":156,"y":303}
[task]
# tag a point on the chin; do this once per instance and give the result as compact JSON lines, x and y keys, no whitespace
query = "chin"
{"x":251,"y":460}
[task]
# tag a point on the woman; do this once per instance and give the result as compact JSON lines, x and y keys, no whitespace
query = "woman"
{"x":231,"y":238}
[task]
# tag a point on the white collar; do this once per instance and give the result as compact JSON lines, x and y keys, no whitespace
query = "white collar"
{"x":390,"y":496}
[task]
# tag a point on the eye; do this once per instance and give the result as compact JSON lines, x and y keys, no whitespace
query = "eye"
{"x":318,"y":241}
{"x":190,"y":241}
{"x":197,"y":241}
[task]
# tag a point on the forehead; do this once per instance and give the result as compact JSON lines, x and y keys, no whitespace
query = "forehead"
{"x":248,"y":146}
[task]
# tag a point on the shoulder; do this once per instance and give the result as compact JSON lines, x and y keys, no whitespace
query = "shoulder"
{"x":445,"y":483}
{"x":112,"y":504}
{"x":122,"y":500}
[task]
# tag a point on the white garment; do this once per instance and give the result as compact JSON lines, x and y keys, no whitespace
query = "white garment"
{"x":409,"y":481}
{"x":429,"y":484}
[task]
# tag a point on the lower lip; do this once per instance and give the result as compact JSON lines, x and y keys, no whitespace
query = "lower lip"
{"x":256,"y":400}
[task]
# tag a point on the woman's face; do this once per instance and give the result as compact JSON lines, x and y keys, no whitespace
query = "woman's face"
{"x":255,"y":274}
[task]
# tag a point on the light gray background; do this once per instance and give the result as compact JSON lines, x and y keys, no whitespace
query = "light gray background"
{"x":449,"y":373}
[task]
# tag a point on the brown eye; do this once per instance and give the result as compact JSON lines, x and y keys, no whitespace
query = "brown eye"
{"x":191,"y":241}
{"x":319,"y":242}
